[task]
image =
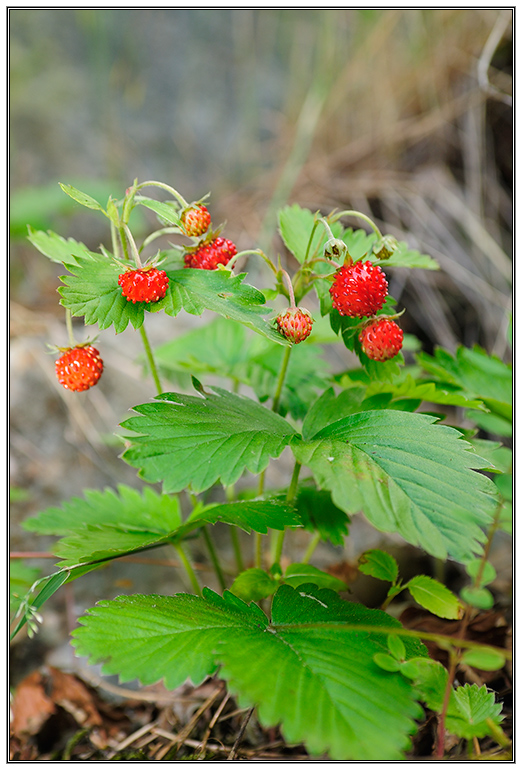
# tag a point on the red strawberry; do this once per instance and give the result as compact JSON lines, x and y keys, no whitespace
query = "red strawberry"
{"x":195,"y":220}
{"x":79,"y":368}
{"x":359,"y":289}
{"x":209,"y":255}
{"x":381,"y":339}
{"x":295,"y":324}
{"x":145,"y":285}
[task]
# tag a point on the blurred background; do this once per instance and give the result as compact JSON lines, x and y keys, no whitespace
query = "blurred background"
{"x":404,"y":115}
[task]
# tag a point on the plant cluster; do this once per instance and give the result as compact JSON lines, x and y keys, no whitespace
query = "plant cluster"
{"x":349,"y":681}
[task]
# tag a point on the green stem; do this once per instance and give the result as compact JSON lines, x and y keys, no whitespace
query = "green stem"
{"x":167,"y":187}
{"x":158,"y":234}
{"x":360,"y":215}
{"x":214,"y":558}
{"x":150,"y":358}
{"x":280,"y":381}
{"x":69,"y":325}
{"x":258,"y":552}
{"x":312,"y":545}
{"x":134,"y":249}
{"x":189,"y":569}
{"x":277,"y":541}
{"x":256,"y":252}
{"x":237,"y":549}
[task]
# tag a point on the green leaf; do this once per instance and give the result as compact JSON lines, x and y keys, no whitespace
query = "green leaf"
{"x":386,"y":662}
{"x":82,"y":198}
{"x":486,"y":570}
{"x":408,"y":475}
{"x":57,"y":248}
{"x":125,"y":506}
{"x":92,"y":290}
{"x":406,"y":257}
{"x":257,"y":515}
{"x":471,"y":708}
{"x":192,"y":440}
{"x":168,"y":213}
{"x":21,"y":578}
{"x":434,"y":597}
{"x":379,"y":564}
{"x":333,"y":696}
{"x":296,"y":225}
{"x":486,"y":659}
{"x":426,"y":391}
{"x":318,"y":513}
{"x":297,"y":574}
{"x":254,"y":584}
{"x":396,"y":647}
{"x":477,"y":597}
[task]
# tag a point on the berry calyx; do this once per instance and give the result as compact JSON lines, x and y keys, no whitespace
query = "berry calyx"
{"x":195,"y":220}
{"x":148,"y":284}
{"x":359,"y":289}
{"x":381,"y":339}
{"x":209,"y":255}
{"x":295,"y":324}
{"x":79,"y":368}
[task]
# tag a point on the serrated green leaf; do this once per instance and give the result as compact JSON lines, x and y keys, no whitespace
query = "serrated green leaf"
{"x":318,"y":513}
{"x":406,"y":257}
{"x":486,"y":659}
{"x":434,"y":597}
{"x":254,"y":584}
{"x":192,"y":440}
{"x":379,"y":564}
{"x":339,"y":700}
{"x":296,"y":225}
{"x":57,"y":248}
{"x":256,"y":515}
{"x":82,"y":198}
{"x":101,"y":542}
{"x":471,"y":708}
{"x":426,"y":391}
{"x":408,"y":475}
{"x":125,"y":506}
{"x":297,"y":574}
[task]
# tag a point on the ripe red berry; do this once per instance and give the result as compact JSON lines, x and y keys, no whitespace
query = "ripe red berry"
{"x":295,"y":324}
{"x":381,"y":340}
{"x":359,"y":289}
{"x":79,"y":368}
{"x":195,"y":220}
{"x":209,"y":255}
{"x":146,"y":285}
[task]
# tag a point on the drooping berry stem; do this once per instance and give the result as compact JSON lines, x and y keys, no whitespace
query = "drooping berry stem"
{"x":288,"y":282}
{"x":281,"y":379}
{"x":166,"y":187}
{"x":257,"y":252}
{"x":69,"y":325}
{"x":359,"y":215}
{"x":134,"y":248}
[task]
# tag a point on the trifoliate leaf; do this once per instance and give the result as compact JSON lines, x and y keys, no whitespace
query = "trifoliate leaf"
{"x":379,"y":564}
{"x":193,"y":440}
{"x":470,"y":709}
{"x":434,"y":597}
{"x":408,"y":475}
{"x":254,"y":584}
{"x":332,"y":696}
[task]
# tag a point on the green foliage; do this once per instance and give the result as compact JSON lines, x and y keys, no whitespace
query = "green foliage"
{"x":197,"y":440}
{"x":21,"y":578}
{"x":379,"y":564}
{"x":314,"y":637}
{"x":318,"y":513}
{"x":434,"y":596}
{"x":56,"y":248}
{"x":402,"y":471}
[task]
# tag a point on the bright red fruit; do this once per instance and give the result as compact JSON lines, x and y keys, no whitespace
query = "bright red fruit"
{"x":79,"y":368}
{"x":209,"y":255}
{"x":145,"y":285}
{"x":381,"y":340}
{"x":359,"y":289}
{"x":195,"y":220}
{"x":295,"y":324}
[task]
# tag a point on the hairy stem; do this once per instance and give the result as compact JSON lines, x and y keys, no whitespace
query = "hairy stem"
{"x":359,"y":215}
{"x":69,"y":325}
{"x":281,"y":379}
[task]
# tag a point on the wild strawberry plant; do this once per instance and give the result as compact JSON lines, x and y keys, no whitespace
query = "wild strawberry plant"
{"x":348,"y":681}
